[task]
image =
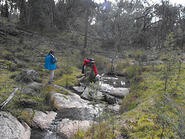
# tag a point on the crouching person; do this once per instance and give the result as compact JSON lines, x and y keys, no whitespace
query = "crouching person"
{"x":90,"y":71}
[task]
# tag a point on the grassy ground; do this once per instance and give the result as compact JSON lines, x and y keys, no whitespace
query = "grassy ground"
{"x":153,"y":109}
{"x":150,"y":110}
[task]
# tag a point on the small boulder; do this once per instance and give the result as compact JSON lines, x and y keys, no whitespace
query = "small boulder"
{"x":32,"y":88}
{"x":11,"y":128}
{"x":119,"y":92}
{"x":27,"y":76}
{"x":67,"y":128}
{"x":43,"y":120}
{"x":90,"y":94}
{"x":114,"y":91}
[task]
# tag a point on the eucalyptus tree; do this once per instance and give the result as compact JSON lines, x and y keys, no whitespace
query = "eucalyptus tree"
{"x":9,"y":7}
{"x":70,"y":12}
{"x":127,"y":23}
{"x":41,"y":14}
{"x":4,"y":8}
{"x":23,"y":12}
{"x":168,"y":17}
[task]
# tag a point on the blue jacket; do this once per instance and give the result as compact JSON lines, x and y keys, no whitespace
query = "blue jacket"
{"x":50,"y":62}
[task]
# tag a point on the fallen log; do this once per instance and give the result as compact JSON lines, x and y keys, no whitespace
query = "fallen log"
{"x":2,"y":105}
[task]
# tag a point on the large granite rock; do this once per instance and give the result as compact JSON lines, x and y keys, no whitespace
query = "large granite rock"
{"x":91,"y":94}
{"x":114,"y":91}
{"x":11,"y":128}
{"x":79,"y":89}
{"x":119,"y":92}
{"x":67,"y":128}
{"x":114,"y":108}
{"x":74,"y":107}
{"x":43,"y":120}
{"x":110,"y":99}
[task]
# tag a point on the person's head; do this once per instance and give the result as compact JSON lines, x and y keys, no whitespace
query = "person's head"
{"x":91,"y":60}
{"x":51,"y":52}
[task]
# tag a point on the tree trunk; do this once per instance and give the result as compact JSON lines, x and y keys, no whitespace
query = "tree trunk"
{"x":86,"y":31}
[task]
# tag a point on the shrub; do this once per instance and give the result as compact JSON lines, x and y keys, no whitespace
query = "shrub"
{"x":69,"y":77}
{"x":132,"y":71}
{"x":7,"y":55}
{"x":129,"y":103}
{"x":102,"y":63}
{"x":121,"y":66}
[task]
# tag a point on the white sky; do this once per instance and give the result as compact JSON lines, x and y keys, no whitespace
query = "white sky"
{"x":153,"y":1}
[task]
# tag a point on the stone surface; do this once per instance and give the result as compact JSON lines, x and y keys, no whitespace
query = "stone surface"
{"x":114,"y":108}
{"x":119,"y":92}
{"x":90,"y":94}
{"x":79,"y":89}
{"x":74,"y":107}
{"x":27,"y":76}
{"x":110,"y":99}
{"x":32,"y":88}
{"x":105,"y":87}
{"x":43,"y":120}
{"x":11,"y":128}
{"x":114,"y":91}
{"x":67,"y":128}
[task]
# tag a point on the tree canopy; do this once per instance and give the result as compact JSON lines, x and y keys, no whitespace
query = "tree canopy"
{"x":135,"y":23}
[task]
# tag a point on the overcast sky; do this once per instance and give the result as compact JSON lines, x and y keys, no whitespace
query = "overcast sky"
{"x":153,"y":1}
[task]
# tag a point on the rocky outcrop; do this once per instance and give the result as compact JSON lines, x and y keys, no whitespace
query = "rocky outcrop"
{"x":114,"y":108}
{"x":91,"y":94}
{"x":32,"y":88}
{"x":119,"y":92}
{"x":67,"y":128}
{"x":105,"y":92}
{"x":114,"y":91}
{"x":111,"y":99}
{"x":43,"y":120}
{"x":79,"y":89}
{"x":74,"y":107}
{"x":27,"y":76}
{"x":11,"y":128}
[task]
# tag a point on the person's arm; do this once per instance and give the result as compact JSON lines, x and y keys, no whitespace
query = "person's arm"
{"x":97,"y":76}
{"x":83,"y":69}
{"x":86,"y":61}
{"x":53,"y":59}
{"x":95,"y":69}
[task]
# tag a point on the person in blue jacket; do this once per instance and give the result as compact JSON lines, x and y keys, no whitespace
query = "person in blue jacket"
{"x":50,"y":64}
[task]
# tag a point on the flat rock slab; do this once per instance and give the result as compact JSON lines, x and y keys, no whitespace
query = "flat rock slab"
{"x":114,"y":91}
